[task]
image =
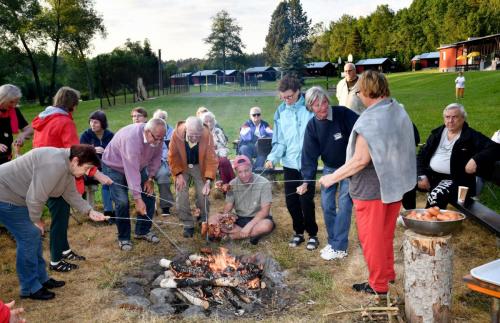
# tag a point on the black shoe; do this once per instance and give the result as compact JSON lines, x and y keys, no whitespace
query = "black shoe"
{"x":366,"y":288}
{"x":73,"y":256}
{"x":255,"y":240}
{"x":63,"y":266}
{"x":52,"y":283}
{"x":312,"y":243}
{"x":42,"y":295}
{"x":188,"y":232}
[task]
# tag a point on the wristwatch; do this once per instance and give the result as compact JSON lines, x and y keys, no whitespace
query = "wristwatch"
{"x":208,"y":181}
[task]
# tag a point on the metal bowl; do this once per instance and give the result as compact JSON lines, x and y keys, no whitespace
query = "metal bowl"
{"x":432,"y":228}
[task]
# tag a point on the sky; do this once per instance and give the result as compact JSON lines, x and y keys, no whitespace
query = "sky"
{"x":178,"y":27}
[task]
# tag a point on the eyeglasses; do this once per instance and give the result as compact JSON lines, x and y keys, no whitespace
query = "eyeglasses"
{"x":135,"y":116}
{"x":288,"y":97}
{"x":349,"y":71}
{"x":154,"y":137}
{"x":255,"y":114}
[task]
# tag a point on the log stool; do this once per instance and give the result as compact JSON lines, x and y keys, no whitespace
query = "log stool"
{"x":428,"y":271}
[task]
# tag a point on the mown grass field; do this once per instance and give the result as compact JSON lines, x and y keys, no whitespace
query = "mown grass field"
{"x":319,"y":287}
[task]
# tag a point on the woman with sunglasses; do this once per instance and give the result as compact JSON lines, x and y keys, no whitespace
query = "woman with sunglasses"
{"x":250,"y":132}
{"x":290,"y":121}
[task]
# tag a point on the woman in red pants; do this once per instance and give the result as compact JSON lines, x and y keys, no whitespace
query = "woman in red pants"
{"x":382,"y":165}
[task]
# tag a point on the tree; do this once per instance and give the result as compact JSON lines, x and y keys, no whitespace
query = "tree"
{"x":19,"y":23}
{"x":278,"y":34}
{"x":291,"y":59}
{"x":224,"y":39}
{"x":70,"y":24}
{"x":289,"y":24}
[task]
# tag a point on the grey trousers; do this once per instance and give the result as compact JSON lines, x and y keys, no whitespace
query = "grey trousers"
{"x":182,"y":197}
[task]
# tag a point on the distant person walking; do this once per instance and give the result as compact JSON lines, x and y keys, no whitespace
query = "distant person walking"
{"x":460,"y":85}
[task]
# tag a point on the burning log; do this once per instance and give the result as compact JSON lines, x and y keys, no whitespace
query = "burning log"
{"x":190,"y":282}
{"x":183,"y":269}
{"x":192,"y":298}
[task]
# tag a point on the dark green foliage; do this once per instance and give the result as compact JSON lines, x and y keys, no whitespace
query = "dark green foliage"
{"x":225,"y":40}
{"x":422,"y":27}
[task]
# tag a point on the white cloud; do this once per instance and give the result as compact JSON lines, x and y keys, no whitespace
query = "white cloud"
{"x":178,"y":27}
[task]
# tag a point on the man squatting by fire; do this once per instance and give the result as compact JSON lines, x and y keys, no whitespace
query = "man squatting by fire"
{"x":250,"y":196}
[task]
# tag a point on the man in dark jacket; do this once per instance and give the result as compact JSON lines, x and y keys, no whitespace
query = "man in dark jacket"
{"x":327,"y":136}
{"x":252,"y":130}
{"x":450,"y":157}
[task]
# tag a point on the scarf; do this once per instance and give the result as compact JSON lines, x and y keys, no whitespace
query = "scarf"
{"x":11,"y":113}
{"x":389,"y":132}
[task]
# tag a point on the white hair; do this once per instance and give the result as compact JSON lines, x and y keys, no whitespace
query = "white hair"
{"x":161,"y":114}
{"x":456,"y":106}
{"x":155,"y":123}
{"x":194,"y":123}
{"x":9,"y":92}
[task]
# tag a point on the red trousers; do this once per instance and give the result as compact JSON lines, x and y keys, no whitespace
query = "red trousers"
{"x":376,"y":223}
{"x":226,"y":172}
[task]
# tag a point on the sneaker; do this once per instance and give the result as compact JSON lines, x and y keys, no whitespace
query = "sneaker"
{"x":366,"y":288}
{"x":71,"y":255}
{"x":296,"y":240}
{"x":188,"y":232}
{"x":149,"y":237}
{"x":400,"y":222}
{"x":165,"y":211}
{"x":312,"y":243}
{"x":125,"y":245}
{"x":331,"y":254}
{"x":326,"y":249}
{"x":63,"y":266}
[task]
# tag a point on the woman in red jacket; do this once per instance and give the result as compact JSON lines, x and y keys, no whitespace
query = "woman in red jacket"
{"x":54,"y":127}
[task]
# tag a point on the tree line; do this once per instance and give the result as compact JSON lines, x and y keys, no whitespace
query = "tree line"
{"x":422,"y":27}
{"x":46,"y":44}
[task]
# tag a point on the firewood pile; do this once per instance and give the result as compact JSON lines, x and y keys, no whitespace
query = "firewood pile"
{"x":211,"y":279}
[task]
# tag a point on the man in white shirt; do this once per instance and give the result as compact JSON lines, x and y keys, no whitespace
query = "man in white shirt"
{"x":347,"y":88}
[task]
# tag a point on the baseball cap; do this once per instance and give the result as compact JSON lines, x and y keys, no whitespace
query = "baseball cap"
{"x":241,"y":160}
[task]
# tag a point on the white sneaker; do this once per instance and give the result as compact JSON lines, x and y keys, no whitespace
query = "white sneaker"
{"x":327,"y":248}
{"x":333,"y":254}
{"x":400,"y":221}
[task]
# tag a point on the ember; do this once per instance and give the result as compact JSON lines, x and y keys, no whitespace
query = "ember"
{"x":214,"y":279}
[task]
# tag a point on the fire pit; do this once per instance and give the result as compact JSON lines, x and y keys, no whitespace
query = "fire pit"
{"x":213,"y":283}
{"x":214,"y":279}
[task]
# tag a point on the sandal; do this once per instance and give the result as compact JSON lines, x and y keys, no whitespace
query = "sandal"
{"x":150,"y":237}
{"x":125,"y":245}
{"x":73,"y":256}
{"x":63,"y":266}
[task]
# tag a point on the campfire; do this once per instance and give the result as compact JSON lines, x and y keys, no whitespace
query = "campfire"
{"x":214,"y":279}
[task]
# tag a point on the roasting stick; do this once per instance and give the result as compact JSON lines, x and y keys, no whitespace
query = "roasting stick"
{"x":154,"y":223}
{"x":137,"y":219}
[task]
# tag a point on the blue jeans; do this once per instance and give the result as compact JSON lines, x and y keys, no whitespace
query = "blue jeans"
{"x":119,"y":196}
{"x":337,"y":224}
{"x":250,"y":150}
{"x":30,"y":266}
{"x":106,"y":198}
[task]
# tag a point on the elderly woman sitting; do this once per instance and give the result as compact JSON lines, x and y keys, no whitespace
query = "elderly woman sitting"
{"x":225,"y":170}
{"x":450,"y":157}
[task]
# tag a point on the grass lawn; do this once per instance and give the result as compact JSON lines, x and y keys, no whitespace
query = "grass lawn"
{"x":318,"y":287}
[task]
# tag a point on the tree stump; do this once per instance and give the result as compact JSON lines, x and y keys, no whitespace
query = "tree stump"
{"x":428,"y":277}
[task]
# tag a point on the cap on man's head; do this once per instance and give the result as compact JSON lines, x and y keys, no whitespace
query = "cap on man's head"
{"x":241,"y":160}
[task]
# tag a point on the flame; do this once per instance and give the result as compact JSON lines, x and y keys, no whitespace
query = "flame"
{"x":254,"y":283}
{"x":221,"y":261}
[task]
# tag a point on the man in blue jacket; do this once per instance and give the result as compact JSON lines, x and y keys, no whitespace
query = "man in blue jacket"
{"x":326,"y":136}
{"x":252,"y":130}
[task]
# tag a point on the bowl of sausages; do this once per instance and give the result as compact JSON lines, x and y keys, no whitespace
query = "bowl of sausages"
{"x":432,"y":221}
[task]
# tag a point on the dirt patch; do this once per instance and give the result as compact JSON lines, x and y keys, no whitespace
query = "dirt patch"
{"x":320,"y":287}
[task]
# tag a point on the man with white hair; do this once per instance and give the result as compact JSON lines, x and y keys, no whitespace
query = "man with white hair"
{"x":191,"y":155}
{"x":450,"y":157}
{"x":347,"y":88}
{"x":131,"y":160}
{"x":163,"y":174}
